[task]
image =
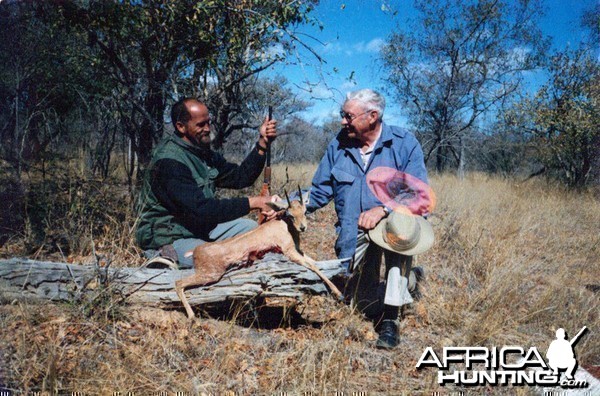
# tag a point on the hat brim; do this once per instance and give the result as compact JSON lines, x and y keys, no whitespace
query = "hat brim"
{"x":425,"y":241}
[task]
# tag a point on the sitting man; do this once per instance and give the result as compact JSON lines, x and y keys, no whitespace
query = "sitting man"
{"x":178,"y":208}
{"x":365,"y":143}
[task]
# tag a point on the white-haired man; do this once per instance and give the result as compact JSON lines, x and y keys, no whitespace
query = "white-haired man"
{"x":364,"y":143}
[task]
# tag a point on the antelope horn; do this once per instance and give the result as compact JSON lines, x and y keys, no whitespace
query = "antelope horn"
{"x":287,"y":197}
{"x":300,"y":194}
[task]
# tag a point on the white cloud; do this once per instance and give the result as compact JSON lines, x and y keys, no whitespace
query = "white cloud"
{"x":333,"y":48}
{"x":375,"y":45}
{"x":321,"y":91}
{"x":520,"y":54}
{"x":321,"y":113}
{"x":362,"y":47}
{"x":348,"y":86}
{"x":272,"y":52}
{"x":316,"y":91}
{"x":370,"y":47}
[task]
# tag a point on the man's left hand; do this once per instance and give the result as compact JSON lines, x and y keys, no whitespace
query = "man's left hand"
{"x":268,"y":132}
{"x":369,"y":219}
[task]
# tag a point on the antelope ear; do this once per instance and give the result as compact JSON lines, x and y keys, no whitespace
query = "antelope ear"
{"x":306,"y":197}
{"x":278,"y":205}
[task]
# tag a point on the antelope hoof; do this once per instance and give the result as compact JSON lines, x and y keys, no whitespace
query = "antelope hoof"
{"x":339,"y":296}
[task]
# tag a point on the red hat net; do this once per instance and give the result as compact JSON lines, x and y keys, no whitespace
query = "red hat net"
{"x":398,"y":190}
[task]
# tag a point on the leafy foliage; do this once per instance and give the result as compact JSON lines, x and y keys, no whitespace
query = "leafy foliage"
{"x":131,"y":60}
{"x":563,"y":118}
{"x":156,"y":51}
{"x":40,"y":82}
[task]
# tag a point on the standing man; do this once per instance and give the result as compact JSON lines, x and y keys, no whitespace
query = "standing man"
{"x":364,"y":143}
{"x":178,"y":207}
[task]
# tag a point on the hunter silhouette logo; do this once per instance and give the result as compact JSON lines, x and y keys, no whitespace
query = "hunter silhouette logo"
{"x":508,"y":365}
{"x":560,"y":353}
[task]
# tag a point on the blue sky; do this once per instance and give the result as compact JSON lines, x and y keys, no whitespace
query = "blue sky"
{"x":354,"y":30}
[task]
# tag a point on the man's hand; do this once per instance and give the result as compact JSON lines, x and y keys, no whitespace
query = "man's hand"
{"x":268,"y":132}
{"x":260,"y":203}
{"x":369,"y":219}
{"x":273,"y":214}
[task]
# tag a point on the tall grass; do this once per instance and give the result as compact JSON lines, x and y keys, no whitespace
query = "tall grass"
{"x":511,"y":263}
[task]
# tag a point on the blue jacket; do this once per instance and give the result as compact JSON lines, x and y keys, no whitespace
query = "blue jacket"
{"x":341,"y":177}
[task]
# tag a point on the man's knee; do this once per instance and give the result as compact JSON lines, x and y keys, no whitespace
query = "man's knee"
{"x":183,"y":248}
{"x":232,"y":228}
{"x":245,"y":225}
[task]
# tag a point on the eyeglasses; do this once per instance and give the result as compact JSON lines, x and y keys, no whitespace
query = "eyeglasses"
{"x":350,"y":117}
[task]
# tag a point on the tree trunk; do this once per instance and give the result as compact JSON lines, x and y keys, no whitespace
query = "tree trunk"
{"x":272,"y":276}
{"x":440,"y":158}
{"x":461,"y":159}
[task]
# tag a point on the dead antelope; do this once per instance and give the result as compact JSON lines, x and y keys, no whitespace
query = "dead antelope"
{"x":212,"y":260}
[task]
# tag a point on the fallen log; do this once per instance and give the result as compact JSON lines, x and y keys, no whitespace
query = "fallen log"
{"x":274,"y":276}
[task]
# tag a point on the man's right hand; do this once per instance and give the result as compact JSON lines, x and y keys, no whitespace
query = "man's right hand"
{"x":260,"y":202}
{"x":369,"y":219}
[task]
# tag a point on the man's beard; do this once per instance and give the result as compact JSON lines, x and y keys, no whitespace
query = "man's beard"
{"x":202,"y":141}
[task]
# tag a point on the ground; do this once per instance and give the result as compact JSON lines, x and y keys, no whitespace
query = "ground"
{"x":512,"y":263}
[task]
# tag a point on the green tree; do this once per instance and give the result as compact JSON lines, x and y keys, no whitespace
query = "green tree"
{"x":157,"y":50}
{"x":590,"y":21}
{"x":40,"y":85}
{"x":562,"y":120}
{"x":458,"y":61}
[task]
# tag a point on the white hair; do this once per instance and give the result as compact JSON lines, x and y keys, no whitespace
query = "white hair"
{"x":371,"y":100}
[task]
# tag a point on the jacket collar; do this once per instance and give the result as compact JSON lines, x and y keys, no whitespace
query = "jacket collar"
{"x":388,"y":132}
{"x":197,"y":150}
{"x":387,"y":135}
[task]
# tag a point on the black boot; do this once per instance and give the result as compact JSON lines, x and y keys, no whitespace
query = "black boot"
{"x":388,"y":334}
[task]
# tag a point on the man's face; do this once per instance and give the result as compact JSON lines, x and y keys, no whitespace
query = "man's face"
{"x":357,"y":121}
{"x":197,"y":129}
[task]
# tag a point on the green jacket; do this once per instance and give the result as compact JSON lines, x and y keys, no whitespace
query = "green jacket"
{"x":162,"y":214}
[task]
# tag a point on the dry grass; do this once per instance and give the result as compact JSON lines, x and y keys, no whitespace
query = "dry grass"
{"x":519,"y":258}
{"x":510,"y":265}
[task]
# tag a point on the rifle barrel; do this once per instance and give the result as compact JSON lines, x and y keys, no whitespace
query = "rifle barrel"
{"x":269,"y":143}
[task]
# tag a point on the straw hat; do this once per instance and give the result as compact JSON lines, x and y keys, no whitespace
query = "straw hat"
{"x":403,"y":233}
